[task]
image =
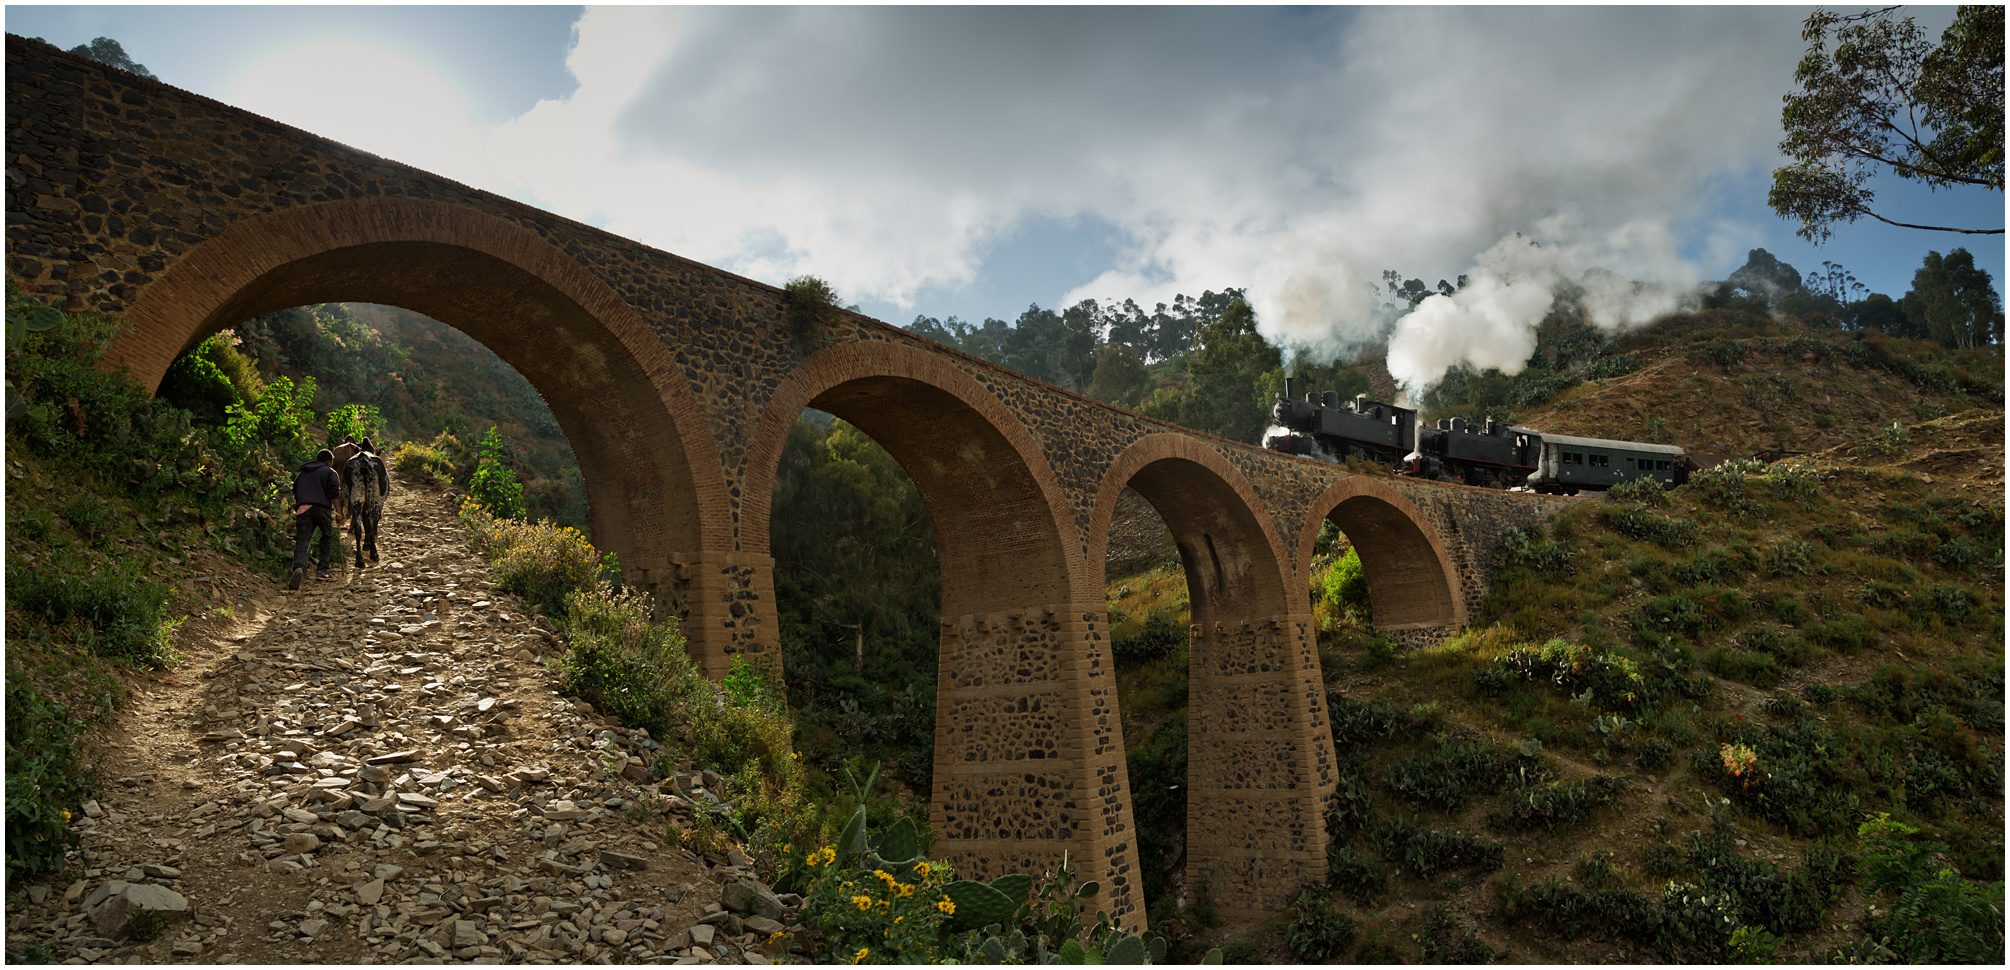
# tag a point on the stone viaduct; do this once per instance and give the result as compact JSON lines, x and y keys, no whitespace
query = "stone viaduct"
{"x":677,"y":383}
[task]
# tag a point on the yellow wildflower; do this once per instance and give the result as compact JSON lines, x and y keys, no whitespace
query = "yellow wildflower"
{"x":859,"y":957}
{"x":862,"y":902}
{"x":947,"y":906}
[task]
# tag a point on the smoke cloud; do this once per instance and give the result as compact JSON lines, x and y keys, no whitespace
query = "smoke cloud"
{"x":1492,"y":321}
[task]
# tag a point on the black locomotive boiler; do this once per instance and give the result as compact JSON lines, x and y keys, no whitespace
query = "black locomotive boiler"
{"x":1456,"y":450}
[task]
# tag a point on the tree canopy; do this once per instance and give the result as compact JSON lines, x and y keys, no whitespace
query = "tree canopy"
{"x":1876,"y":96}
{"x":105,"y":50}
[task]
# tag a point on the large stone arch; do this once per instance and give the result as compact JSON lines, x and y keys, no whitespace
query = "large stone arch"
{"x":653,"y":481}
{"x":1413,"y":583}
{"x":1029,"y":759}
{"x":1260,"y":761}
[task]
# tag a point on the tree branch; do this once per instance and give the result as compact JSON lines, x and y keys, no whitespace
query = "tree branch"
{"x":1908,"y":225}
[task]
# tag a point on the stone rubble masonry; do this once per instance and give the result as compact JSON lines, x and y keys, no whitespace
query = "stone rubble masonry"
{"x":676,"y":385}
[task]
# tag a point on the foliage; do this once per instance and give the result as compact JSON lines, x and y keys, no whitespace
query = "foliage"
{"x":1454,"y":772}
{"x":359,"y":422}
{"x":494,"y":484}
{"x":809,"y":305}
{"x":1159,"y":638}
{"x":117,"y":614}
{"x":45,"y":773}
{"x":1360,"y":875}
{"x":1448,"y":940}
{"x":1429,"y":852}
{"x":1556,"y":805}
{"x":1956,"y":300}
{"x":1158,"y":777}
{"x":106,"y":50}
{"x":279,"y":419}
{"x":1874,"y":95}
{"x":1615,"y":682}
{"x":1316,"y":932}
{"x":1356,"y":724}
{"x":540,"y":561}
{"x":1347,"y":584}
{"x":434,"y":460}
{"x":197,"y":385}
{"x":1223,"y":394}
{"x":1935,"y":915}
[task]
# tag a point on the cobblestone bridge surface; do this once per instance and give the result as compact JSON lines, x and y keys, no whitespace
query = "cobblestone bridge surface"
{"x":676,"y":384}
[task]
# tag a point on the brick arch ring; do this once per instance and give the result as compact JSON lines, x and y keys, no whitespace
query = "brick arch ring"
{"x":194,"y":291}
{"x":1164,"y":445}
{"x":866,"y":360}
{"x":1402,"y":556}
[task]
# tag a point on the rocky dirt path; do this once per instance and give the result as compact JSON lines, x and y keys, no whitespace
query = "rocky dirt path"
{"x":378,"y":769}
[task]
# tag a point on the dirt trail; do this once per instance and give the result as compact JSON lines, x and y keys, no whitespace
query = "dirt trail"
{"x":378,"y":769}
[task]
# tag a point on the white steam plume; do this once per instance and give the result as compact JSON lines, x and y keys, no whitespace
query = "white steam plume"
{"x":1492,"y":321}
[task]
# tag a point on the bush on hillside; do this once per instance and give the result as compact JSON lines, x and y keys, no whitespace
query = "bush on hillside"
{"x":494,"y":485}
{"x":541,"y":561}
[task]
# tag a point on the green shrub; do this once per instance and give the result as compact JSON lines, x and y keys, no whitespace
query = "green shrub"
{"x":1554,"y":806}
{"x":1358,"y":874}
{"x":198,"y":386}
{"x":1633,"y":519}
{"x":1654,"y":755}
{"x":494,"y":485}
{"x":358,"y":421}
{"x":1615,"y":682}
{"x":1645,"y":491}
{"x":1447,"y":940}
{"x":1935,"y":916}
{"x":116,"y":613}
{"x":1429,"y":852}
{"x":1455,"y":772}
{"x":542,"y":562}
{"x":1524,"y":549}
{"x":628,"y":668}
{"x":1316,"y":932}
{"x":1355,"y":724}
{"x":1156,"y":641}
{"x":810,"y":307}
{"x":45,"y":772}
{"x":1347,"y":585}
{"x":414,"y":460}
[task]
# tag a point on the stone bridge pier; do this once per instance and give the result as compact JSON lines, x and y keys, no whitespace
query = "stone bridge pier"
{"x":677,"y":383}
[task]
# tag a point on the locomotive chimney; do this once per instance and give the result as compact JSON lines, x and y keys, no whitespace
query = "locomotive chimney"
{"x":1332,"y":399}
{"x":1287,"y":387}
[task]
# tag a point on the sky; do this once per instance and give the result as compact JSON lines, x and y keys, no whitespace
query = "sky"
{"x":970,"y":161}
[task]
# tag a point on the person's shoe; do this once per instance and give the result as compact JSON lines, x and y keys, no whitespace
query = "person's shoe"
{"x":293,"y":581}
{"x":323,"y":574}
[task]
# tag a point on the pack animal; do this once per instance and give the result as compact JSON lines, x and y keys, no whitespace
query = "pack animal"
{"x":364,"y":486}
{"x":344,"y":454}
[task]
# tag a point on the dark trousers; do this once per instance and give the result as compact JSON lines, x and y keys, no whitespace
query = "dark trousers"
{"x":304,"y":525}
{"x":363,"y":530}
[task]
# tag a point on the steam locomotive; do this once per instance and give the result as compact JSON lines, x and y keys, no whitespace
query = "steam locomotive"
{"x":1488,"y":454}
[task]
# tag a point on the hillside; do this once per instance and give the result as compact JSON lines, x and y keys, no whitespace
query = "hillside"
{"x":1838,"y":617}
{"x":1727,"y":392}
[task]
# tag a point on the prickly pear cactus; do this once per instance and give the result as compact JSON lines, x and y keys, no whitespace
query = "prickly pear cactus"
{"x":977,"y":905}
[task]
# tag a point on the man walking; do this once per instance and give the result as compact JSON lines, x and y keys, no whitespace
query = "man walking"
{"x":365,"y":482}
{"x":314,"y":491}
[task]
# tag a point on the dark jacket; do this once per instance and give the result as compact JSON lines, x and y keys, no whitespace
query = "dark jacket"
{"x":317,"y":484}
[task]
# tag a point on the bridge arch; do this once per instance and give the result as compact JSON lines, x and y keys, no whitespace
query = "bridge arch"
{"x":652,"y":477}
{"x":1259,"y":753}
{"x":1413,"y":583}
{"x":1028,"y":756}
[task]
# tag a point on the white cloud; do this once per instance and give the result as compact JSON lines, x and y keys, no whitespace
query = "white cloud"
{"x":370,"y":98}
{"x":1298,"y":153}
